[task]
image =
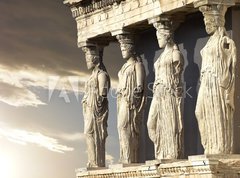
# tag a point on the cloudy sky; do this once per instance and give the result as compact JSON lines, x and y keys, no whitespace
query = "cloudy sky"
{"x":41,"y":78}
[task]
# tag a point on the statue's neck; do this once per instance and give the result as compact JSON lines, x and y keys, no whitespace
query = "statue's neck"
{"x":95,"y":69}
{"x":131,"y":60}
{"x":169,"y":46}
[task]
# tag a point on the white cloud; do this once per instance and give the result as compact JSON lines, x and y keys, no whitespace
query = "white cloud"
{"x":18,"y":96}
{"x":24,"y":137}
{"x":109,"y":159}
{"x":15,"y":85}
{"x":72,"y":137}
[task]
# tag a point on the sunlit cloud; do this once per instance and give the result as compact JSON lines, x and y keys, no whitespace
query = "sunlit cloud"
{"x":24,"y":137}
{"x":18,"y":96}
{"x":16,"y":85}
{"x":72,"y":137}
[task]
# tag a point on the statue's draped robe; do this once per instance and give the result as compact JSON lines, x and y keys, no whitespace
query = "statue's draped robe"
{"x":165,"y":123}
{"x":95,"y":111}
{"x":130,"y":112}
{"x":215,"y":103}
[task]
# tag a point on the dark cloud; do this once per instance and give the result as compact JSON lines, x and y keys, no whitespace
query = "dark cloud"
{"x":40,"y":38}
{"x":40,"y":34}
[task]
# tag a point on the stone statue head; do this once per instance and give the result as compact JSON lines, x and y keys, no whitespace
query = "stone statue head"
{"x":127,"y":45}
{"x":92,"y":56}
{"x":164,"y":32}
{"x":214,"y":16}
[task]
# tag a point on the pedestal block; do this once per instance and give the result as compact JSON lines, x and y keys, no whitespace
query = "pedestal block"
{"x":202,"y":166}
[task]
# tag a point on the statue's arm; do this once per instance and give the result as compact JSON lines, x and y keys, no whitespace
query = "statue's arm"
{"x":139,"y":90}
{"x":103,"y":84}
{"x":178,"y":63}
{"x":85,"y":95}
{"x":140,"y":75}
{"x":229,"y":49}
{"x":234,"y":56}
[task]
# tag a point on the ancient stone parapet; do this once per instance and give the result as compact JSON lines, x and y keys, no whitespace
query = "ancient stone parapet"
{"x":202,"y":166}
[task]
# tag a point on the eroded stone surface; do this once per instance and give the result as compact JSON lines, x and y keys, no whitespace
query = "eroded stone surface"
{"x":165,"y":122}
{"x":131,"y":97}
{"x":215,"y":103}
{"x":95,"y":107}
{"x":204,"y":166}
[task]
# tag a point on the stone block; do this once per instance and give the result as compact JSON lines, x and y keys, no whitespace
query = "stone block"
{"x":201,"y":166}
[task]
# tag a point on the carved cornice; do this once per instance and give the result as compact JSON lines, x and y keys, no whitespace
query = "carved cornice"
{"x":83,"y":7}
{"x":198,"y":3}
{"x":162,"y":19}
{"x":103,"y":19}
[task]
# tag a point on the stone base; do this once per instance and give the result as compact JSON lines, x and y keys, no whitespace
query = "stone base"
{"x":162,"y":161}
{"x":201,"y":166}
{"x":119,"y":166}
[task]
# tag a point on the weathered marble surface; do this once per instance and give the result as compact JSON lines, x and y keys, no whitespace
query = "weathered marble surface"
{"x":215,"y":103}
{"x":95,"y":108}
{"x":165,"y":122}
{"x":130,"y":100}
{"x":202,"y":166}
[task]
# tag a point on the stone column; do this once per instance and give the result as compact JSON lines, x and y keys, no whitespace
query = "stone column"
{"x":165,"y":122}
{"x":131,"y":97}
{"x":95,"y":106}
{"x":215,"y":103}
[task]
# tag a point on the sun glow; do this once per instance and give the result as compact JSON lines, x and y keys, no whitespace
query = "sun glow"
{"x":6,"y":166}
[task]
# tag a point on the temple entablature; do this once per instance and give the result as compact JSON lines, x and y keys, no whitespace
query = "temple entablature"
{"x":98,"y":19}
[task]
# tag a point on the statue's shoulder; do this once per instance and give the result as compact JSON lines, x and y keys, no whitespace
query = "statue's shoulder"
{"x":138,"y":61}
{"x":139,"y":65}
{"x":226,"y":38}
{"x":175,"y":47}
{"x":177,"y":55}
{"x":176,"y":50}
{"x":227,"y":43}
{"x":102,"y":73}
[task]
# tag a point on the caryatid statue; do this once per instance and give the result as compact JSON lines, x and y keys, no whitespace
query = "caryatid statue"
{"x":95,"y":107}
{"x":165,"y":122}
{"x":215,"y":103}
{"x":130,"y":100}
